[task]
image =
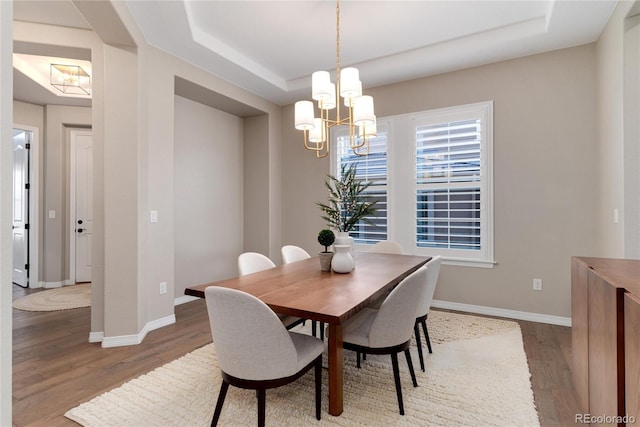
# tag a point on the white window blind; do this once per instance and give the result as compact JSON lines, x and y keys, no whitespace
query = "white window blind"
{"x":370,"y":168}
{"x":448,"y":191}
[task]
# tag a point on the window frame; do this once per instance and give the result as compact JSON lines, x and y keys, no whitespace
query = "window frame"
{"x":485,"y":257}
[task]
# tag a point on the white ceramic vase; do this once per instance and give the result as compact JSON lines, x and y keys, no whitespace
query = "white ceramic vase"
{"x":343,"y":238}
{"x":342,"y":261}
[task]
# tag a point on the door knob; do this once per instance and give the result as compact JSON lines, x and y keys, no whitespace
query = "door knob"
{"x":80,"y":230}
{"x":79,"y":221}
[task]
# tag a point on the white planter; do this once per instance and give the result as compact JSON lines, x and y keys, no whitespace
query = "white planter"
{"x":325,"y":260}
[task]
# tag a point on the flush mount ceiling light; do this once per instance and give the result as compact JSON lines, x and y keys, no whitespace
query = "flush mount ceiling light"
{"x":70,"y":79}
{"x":360,"y":120}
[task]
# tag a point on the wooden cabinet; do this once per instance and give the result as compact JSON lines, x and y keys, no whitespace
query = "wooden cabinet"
{"x":632,"y":355}
{"x":580,"y":332}
{"x":602,"y":291}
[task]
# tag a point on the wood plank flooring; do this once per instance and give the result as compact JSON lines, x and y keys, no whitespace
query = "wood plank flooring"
{"x":55,"y":367}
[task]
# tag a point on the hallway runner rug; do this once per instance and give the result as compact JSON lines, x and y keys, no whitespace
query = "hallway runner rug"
{"x":477,"y":375}
{"x":65,"y":298}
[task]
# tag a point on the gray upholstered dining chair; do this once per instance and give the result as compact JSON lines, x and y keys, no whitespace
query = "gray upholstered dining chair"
{"x":255,"y":351}
{"x":387,"y":247}
{"x":433,"y":271}
{"x":253,"y":262}
{"x":389,"y":329}
{"x":291,"y":253}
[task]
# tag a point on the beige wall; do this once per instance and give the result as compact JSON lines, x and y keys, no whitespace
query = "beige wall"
{"x":125,"y":312}
{"x":544,"y":162}
{"x":256,"y":188}
{"x":28,"y":114}
{"x":158,"y":130}
{"x":618,"y":180}
{"x":208,"y":194}
{"x":6,"y":167}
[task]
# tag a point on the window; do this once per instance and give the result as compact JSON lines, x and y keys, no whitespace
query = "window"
{"x":453,"y":185}
{"x":370,"y":168}
{"x":433,"y":178}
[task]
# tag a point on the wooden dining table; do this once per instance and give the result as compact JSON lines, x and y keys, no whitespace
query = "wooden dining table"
{"x":301,"y":289}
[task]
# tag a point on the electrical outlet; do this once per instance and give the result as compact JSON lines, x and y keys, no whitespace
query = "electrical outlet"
{"x":163,"y":288}
{"x":537,"y":284}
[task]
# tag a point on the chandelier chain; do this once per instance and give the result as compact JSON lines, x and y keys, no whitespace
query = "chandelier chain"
{"x":337,"y":39}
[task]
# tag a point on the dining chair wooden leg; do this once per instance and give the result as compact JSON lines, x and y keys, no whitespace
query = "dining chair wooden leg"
{"x":318,"y":375}
{"x":358,"y":359}
{"x":407,"y":354}
{"x":261,"y":407}
{"x":221,"y":396}
{"x":426,"y":334}
{"x":396,"y":378}
{"x":416,"y":332}
{"x":313,"y":328}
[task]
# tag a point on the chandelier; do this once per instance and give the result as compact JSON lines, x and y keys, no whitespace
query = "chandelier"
{"x":360,"y":118}
{"x":70,"y":79}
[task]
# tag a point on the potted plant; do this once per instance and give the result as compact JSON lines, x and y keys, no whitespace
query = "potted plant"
{"x":326,"y":238}
{"x":348,"y":204}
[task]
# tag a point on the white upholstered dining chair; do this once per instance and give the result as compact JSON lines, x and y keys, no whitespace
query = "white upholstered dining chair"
{"x":389,"y":329}
{"x":433,"y":271}
{"x":291,"y":253}
{"x":255,"y":351}
{"x":253,"y":262}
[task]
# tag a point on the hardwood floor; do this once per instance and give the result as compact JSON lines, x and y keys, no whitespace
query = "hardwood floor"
{"x":55,"y":368}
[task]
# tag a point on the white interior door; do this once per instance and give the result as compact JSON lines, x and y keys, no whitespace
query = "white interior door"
{"x":20,"y":227}
{"x":83,"y":219}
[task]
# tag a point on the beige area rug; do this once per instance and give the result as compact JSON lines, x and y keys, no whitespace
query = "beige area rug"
{"x":64,"y":298}
{"x":477,"y":376}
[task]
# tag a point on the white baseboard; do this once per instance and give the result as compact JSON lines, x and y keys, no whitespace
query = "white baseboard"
{"x":136,"y":339}
{"x":96,"y":336}
{"x":501,"y":312}
{"x":52,"y":285}
{"x":184,"y":299}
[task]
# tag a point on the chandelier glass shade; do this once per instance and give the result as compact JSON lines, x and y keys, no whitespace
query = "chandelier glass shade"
{"x":359,"y":116}
{"x":70,"y":79}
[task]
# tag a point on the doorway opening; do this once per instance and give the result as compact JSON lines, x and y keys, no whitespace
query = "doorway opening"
{"x":24,"y":206}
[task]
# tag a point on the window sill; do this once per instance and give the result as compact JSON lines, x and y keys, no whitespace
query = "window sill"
{"x":463,"y":262}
